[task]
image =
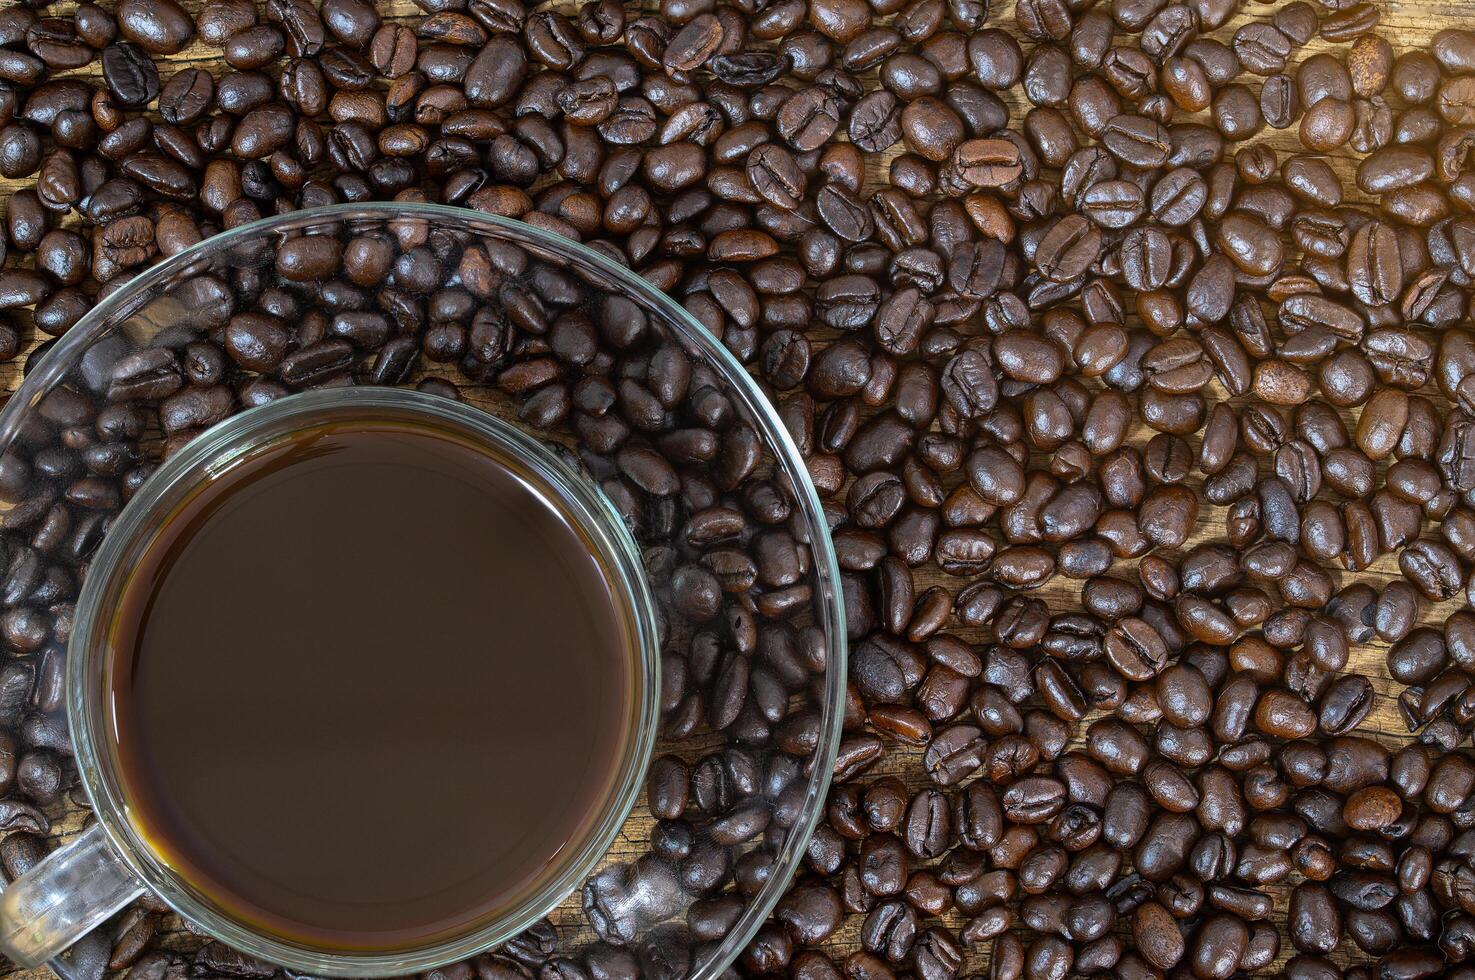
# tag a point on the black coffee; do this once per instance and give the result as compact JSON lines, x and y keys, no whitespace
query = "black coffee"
{"x":369,"y":686}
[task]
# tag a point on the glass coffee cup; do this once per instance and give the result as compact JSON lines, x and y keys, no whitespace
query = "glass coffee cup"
{"x":125,"y":851}
{"x":772,"y":766}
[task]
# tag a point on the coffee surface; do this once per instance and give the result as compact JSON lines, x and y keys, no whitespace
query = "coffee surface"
{"x":368,"y":686}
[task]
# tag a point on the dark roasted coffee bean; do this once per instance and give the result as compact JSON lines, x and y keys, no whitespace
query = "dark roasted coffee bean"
{"x":130,"y":74}
{"x":159,"y":26}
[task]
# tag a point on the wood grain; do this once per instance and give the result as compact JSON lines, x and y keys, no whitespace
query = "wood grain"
{"x":1407,"y":25}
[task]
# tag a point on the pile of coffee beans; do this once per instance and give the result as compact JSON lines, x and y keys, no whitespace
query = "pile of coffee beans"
{"x":1140,"y":302}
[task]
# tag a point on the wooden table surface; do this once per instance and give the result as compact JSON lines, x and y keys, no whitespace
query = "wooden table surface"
{"x":1406,"y":25}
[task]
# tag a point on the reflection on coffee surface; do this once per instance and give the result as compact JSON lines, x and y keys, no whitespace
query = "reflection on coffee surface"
{"x":369,"y":685}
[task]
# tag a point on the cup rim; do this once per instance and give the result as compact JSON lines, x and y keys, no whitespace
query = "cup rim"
{"x":238,"y":439}
{"x":66,"y":352}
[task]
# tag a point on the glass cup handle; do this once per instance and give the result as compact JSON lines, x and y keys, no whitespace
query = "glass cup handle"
{"x":64,"y":897}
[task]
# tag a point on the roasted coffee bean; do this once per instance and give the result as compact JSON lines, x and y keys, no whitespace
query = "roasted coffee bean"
{"x":159,"y":26}
{"x":130,"y":74}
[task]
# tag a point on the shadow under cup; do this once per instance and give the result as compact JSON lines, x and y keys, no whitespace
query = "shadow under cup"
{"x":395,"y":804}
